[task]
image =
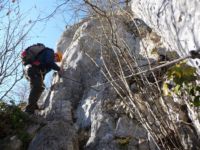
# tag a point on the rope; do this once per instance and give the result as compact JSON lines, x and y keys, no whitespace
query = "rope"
{"x":78,"y":82}
{"x":151,"y":69}
{"x":70,"y":79}
{"x":193,"y":54}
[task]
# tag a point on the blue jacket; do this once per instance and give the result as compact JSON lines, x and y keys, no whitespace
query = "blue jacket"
{"x":47,"y":61}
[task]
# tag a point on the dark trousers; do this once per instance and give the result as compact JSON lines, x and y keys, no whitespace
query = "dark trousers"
{"x":36,"y":77}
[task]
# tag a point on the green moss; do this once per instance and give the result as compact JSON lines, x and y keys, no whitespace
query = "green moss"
{"x":182,"y":81}
{"x":14,"y":123}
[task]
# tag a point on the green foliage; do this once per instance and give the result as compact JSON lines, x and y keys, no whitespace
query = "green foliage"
{"x":182,"y":80}
{"x":13,"y":122}
{"x":182,"y":73}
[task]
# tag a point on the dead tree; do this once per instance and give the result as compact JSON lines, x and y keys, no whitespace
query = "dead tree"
{"x":13,"y":31}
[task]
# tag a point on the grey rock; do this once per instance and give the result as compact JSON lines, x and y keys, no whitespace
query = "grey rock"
{"x":129,"y":128}
{"x":81,"y":102}
{"x":33,"y":129}
{"x":15,"y":143}
{"x":56,"y":135}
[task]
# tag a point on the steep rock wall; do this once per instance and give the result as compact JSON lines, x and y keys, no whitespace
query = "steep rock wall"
{"x":82,"y":109}
{"x":177,"y":21}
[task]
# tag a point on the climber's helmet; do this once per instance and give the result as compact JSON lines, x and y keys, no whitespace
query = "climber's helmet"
{"x":58,"y":56}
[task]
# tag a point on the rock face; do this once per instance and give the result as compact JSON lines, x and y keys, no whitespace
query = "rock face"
{"x":87,"y":112}
{"x":177,"y":20}
{"x":55,"y":135}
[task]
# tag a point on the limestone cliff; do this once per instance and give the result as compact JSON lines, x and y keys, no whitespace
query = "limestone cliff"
{"x":102,"y":102}
{"x":178,"y":21}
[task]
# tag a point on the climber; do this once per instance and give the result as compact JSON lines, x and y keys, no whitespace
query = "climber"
{"x":36,"y":67}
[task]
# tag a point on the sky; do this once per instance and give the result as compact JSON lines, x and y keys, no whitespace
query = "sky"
{"x":46,"y":32}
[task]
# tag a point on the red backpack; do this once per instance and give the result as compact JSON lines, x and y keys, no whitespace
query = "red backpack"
{"x":29,"y":55}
